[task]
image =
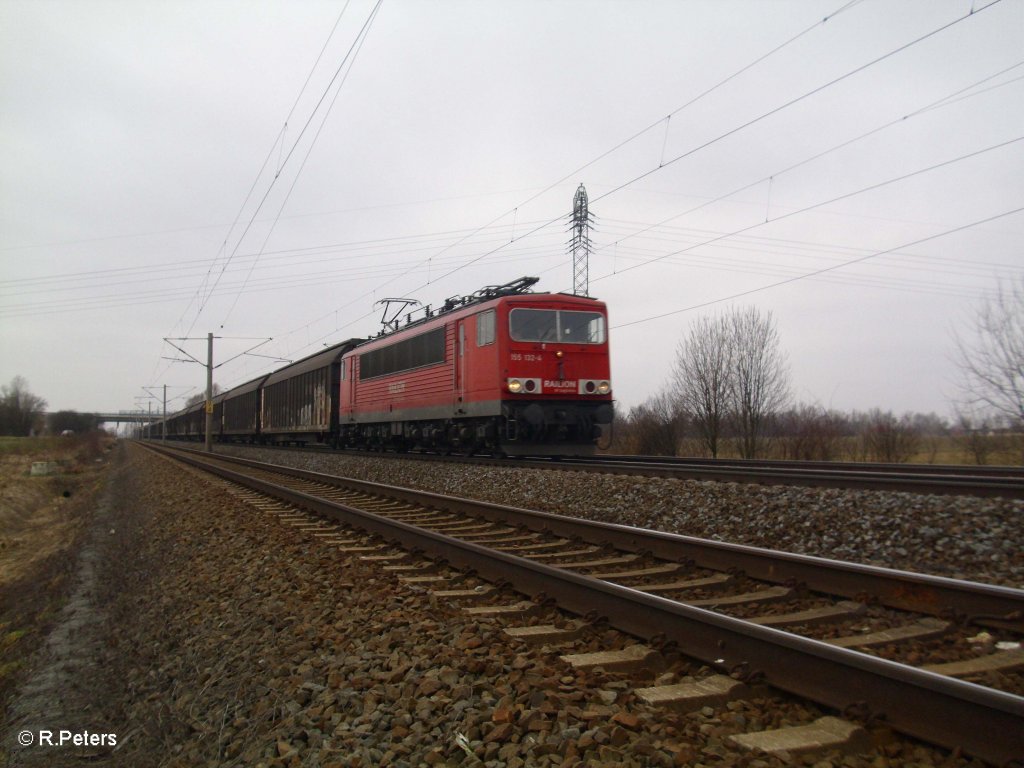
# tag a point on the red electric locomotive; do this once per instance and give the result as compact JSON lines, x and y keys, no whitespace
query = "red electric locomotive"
{"x":502,"y":371}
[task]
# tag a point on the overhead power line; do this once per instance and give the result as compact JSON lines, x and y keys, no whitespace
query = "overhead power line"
{"x":347,"y":275}
{"x":945,"y":101}
{"x":283,"y":162}
{"x":803,"y":250}
{"x":845,"y":196}
{"x":823,"y":270}
{"x":512,"y":211}
{"x":278,"y":142}
{"x":404,"y":241}
{"x":357,"y":47}
{"x":199,"y":228}
{"x":663,"y":164}
{"x":755,"y":120}
{"x":800,"y":98}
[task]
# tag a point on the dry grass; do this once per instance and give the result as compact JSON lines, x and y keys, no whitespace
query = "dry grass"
{"x":41,"y":521}
{"x":995,"y":450}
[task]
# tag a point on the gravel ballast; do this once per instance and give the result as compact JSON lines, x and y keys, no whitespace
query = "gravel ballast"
{"x":962,"y":537}
{"x":224,"y":637}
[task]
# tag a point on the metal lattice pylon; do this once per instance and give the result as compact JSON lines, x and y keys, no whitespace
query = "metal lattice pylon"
{"x":580,"y":243}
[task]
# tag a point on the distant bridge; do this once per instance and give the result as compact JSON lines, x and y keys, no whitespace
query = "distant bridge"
{"x":126,"y":417}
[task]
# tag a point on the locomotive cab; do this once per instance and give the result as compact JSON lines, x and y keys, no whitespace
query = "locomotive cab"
{"x":556,"y":392}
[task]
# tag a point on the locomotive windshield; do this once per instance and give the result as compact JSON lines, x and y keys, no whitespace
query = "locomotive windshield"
{"x":555,"y":325}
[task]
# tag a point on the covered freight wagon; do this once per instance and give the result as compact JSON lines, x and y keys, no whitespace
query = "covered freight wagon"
{"x":241,"y":412}
{"x":299,"y":402}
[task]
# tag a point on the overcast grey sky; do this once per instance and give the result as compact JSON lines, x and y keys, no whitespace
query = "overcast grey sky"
{"x":439,"y":156}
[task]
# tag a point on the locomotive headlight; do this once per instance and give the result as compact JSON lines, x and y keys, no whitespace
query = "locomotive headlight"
{"x":517,"y":386}
{"x":594,"y":387}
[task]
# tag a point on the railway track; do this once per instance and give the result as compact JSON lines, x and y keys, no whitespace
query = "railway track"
{"x":951,"y":479}
{"x":944,"y":479}
{"x":893,"y":644}
{"x":1007,"y":482}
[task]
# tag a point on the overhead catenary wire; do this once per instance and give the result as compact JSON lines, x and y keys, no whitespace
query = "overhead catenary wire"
{"x":279,"y":142}
{"x":512,"y":211}
{"x":284,"y":162}
{"x":756,"y":120}
{"x":798,"y":99}
{"x":354,"y":254}
{"x":845,"y":196}
{"x":536,"y":229}
{"x":358,"y":46}
{"x":808,"y":249}
{"x":105,"y":275}
{"x":200,"y":298}
{"x":945,"y":101}
{"x":334,"y":311}
{"x":346,"y":275}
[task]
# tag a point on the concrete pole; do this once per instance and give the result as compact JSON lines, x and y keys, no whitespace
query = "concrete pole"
{"x":209,"y":393}
{"x":163,"y":425}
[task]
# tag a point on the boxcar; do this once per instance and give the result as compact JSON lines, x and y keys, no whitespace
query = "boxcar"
{"x":189,"y":424}
{"x":299,"y":402}
{"x":240,"y":420}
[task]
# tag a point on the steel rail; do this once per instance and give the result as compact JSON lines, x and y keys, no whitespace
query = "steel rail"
{"x":937,"y":709}
{"x":984,"y":604}
{"x":965,"y":470}
{"x":816,"y":477}
{"x":1007,"y":482}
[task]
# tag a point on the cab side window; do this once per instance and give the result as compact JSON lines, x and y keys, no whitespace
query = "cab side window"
{"x":485,"y":324}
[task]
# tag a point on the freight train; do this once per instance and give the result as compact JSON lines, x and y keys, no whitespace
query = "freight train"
{"x":502,"y":371}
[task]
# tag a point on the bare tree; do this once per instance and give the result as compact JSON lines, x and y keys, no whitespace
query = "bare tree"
{"x":21,"y":412}
{"x":657,"y":425}
{"x":890,"y":439}
{"x":701,"y":376}
{"x":991,"y":355}
{"x":201,"y":396}
{"x":730,"y":371}
{"x":73,"y":421}
{"x":975,"y":437}
{"x":810,"y":433}
{"x":759,"y":376}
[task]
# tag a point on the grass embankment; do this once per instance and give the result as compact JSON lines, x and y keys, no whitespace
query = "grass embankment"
{"x":990,"y":450}
{"x":41,"y":521}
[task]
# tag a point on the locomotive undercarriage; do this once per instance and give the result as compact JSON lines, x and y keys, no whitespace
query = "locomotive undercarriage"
{"x":522,"y":429}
